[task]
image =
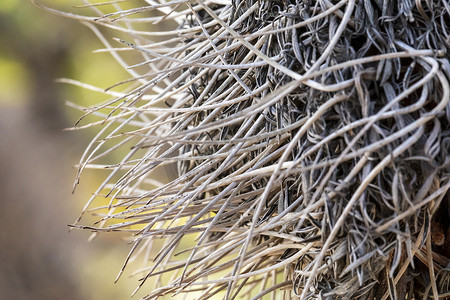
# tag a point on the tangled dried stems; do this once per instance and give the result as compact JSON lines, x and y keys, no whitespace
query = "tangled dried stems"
{"x":311,"y":137}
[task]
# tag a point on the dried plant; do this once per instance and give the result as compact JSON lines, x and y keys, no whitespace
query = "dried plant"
{"x":311,"y":139}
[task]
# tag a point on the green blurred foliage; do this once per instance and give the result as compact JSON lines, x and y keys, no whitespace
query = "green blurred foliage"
{"x":36,"y":48}
{"x":14,"y":86}
{"x":29,"y":31}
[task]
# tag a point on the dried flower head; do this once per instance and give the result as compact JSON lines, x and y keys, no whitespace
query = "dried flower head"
{"x":311,"y":140}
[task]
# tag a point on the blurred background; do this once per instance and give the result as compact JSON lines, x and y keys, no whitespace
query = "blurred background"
{"x":39,"y":258}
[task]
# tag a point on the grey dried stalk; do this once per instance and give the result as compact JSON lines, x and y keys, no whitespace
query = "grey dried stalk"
{"x":312,"y":143}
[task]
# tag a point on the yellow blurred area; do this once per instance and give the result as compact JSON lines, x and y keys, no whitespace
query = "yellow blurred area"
{"x":8,"y":5}
{"x":14,"y":86}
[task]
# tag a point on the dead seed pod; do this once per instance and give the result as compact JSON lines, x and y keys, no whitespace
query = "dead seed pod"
{"x":311,"y":139}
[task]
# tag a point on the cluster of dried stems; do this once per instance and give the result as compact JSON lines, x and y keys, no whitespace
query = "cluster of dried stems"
{"x":312,"y":143}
